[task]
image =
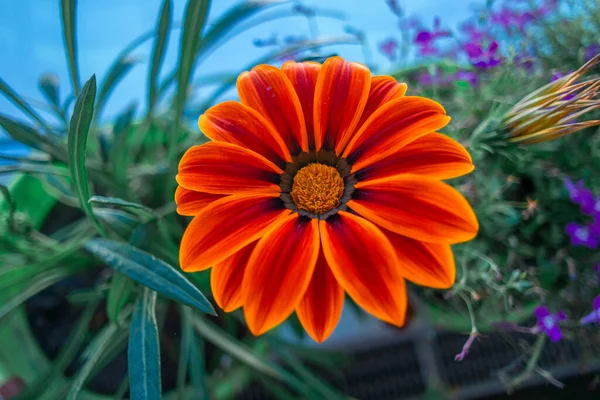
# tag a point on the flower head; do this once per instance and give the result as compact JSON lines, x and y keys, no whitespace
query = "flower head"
{"x":581,"y":196}
{"x":389,"y":47}
{"x":554,"y":110}
{"x":593,"y":316}
{"x":323,"y":180}
{"x":483,"y":58}
{"x":581,"y":235}
{"x":549,"y":323}
{"x":426,"y":39}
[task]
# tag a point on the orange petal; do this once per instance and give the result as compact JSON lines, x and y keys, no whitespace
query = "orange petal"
{"x":433,"y":155}
{"x":225,"y":168}
{"x":364,"y":263}
{"x":383,"y":89}
{"x":304,"y":79}
{"x":226,"y":279}
{"x":418,"y":207}
{"x":341,"y":93}
{"x":426,"y":264}
{"x":225,"y":227}
{"x":279,"y":272}
{"x":267,"y":90}
{"x":190,"y":202}
{"x":320,"y":309}
{"x":236,"y":123}
{"x":391,"y":127}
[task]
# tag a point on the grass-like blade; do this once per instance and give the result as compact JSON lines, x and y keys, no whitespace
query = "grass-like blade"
{"x":121,"y":288}
{"x":30,"y":137}
{"x":18,"y":101}
{"x":114,"y":75}
{"x":194,"y":20}
{"x":48,"y":85}
{"x":158,"y":52}
{"x":12,"y":207}
{"x":115,"y":201}
{"x":92,"y":355}
{"x":35,"y":169}
{"x":149,"y":271}
{"x":77,"y":140}
{"x":68,"y":11}
{"x":144,"y":352}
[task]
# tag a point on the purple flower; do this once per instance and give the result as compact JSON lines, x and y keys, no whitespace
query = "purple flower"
{"x":581,"y":195}
{"x":426,"y":39}
{"x":388,"y":48}
{"x":591,"y":51}
{"x":467,"y":76}
{"x":483,"y":58}
{"x":549,"y":323}
{"x":581,"y":235}
{"x":511,"y":18}
{"x":524,"y":62}
{"x":473,"y":33}
{"x":593,"y":316}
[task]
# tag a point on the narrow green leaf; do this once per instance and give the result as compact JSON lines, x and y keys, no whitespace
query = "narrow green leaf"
{"x":30,"y":137}
{"x":194,"y":20}
{"x":121,"y":288}
{"x":77,"y":142}
{"x":197,"y":370}
{"x":150,"y":272}
{"x":114,"y":75}
{"x":120,"y":222}
{"x":68,"y":16}
{"x":11,"y":95}
{"x":115,"y":201}
{"x":35,"y":169}
{"x":144,"y":352}
{"x":191,"y":354}
{"x":92,"y":355}
{"x":120,"y":151}
{"x":158,"y":52}
{"x":244,"y":354}
{"x":48,"y":85}
{"x":8,"y":200}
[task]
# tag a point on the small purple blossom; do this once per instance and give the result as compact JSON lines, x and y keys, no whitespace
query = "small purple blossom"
{"x":389,"y":48}
{"x":509,"y":19}
{"x":593,"y":316}
{"x":483,"y":58}
{"x":524,"y":62}
{"x":591,"y":51}
{"x":426,"y":39}
{"x":549,"y":323}
{"x":474,"y":33}
{"x":581,"y":235}
{"x":581,"y":195}
{"x":467,"y":76}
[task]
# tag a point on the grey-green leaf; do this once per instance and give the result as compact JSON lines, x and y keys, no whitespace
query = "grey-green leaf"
{"x":48,"y":85}
{"x":68,"y":13}
{"x":150,"y":272}
{"x":160,"y":44}
{"x":144,"y":352}
{"x":115,"y":201}
{"x":92,"y":354}
{"x":77,"y":141}
{"x":11,"y":95}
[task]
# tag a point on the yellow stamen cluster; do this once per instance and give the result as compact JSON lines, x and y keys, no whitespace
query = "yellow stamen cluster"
{"x":553,"y":110}
{"x":317,"y":188}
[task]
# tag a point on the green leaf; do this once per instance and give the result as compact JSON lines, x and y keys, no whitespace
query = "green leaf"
{"x":194,"y":20}
{"x":144,"y":352}
{"x":121,"y":288}
{"x":12,"y":207}
{"x":191,"y":353}
{"x":92,"y":355}
{"x":11,"y":95}
{"x":28,"y":136}
{"x":35,"y":169}
{"x":150,"y":272}
{"x":114,"y":75}
{"x":48,"y":85}
{"x":77,"y":141}
{"x":158,"y":52}
{"x":119,"y":222}
{"x":115,"y":201}
{"x":68,"y":16}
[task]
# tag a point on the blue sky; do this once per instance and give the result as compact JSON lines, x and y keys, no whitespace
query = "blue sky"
{"x":31,"y":38}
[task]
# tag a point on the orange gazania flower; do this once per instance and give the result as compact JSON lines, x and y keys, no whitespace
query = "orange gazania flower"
{"x":323,"y":180}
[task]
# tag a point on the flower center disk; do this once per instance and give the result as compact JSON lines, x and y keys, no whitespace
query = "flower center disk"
{"x":317,"y":188}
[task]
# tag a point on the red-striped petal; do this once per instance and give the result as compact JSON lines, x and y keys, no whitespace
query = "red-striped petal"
{"x":383,"y":89}
{"x":225,"y":168}
{"x":433,"y":155}
{"x":418,"y":207}
{"x":364,"y":263}
{"x":426,"y":264}
{"x":391,"y":127}
{"x":279,"y":271}
{"x":321,"y":307}
{"x":267,"y":90}
{"x":226,"y":226}
{"x":190,"y":202}
{"x":226,"y":279}
{"x":304,"y":79}
{"x":341,"y":94}
{"x":236,"y":123}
